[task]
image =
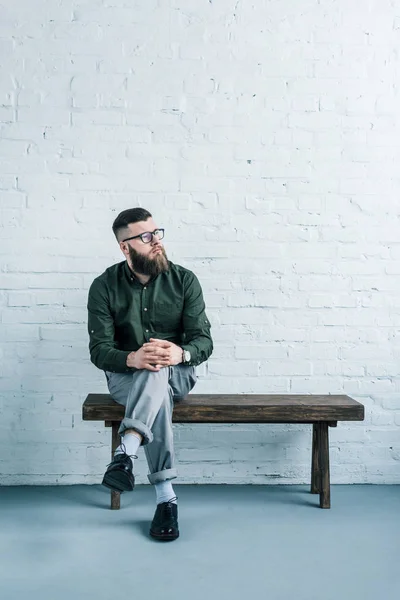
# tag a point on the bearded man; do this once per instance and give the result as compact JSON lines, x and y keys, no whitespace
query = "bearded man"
{"x":148,"y":330}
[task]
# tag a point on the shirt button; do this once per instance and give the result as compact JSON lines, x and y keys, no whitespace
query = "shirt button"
{"x":145,"y":288}
{"x":147,"y":331}
{"x":145,"y":309}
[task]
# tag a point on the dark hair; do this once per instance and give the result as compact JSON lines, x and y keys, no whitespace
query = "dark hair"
{"x":131,"y":215}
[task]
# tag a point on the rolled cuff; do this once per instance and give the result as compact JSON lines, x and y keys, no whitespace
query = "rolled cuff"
{"x":164,"y":475}
{"x":137,"y":426}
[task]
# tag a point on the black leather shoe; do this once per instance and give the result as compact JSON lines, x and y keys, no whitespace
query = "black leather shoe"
{"x":164,"y":526}
{"x":119,"y":476}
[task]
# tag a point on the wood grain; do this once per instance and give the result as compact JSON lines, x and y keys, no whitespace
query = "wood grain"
{"x":325,"y":488}
{"x":240,"y":408}
{"x":315,"y":471}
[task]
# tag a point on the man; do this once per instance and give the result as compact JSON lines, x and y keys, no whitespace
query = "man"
{"x":148,"y":330}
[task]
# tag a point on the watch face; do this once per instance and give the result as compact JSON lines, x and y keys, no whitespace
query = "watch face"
{"x":187,"y":355}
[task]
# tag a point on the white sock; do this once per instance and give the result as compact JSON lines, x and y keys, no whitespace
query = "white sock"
{"x":165,"y":492}
{"x":130,"y":444}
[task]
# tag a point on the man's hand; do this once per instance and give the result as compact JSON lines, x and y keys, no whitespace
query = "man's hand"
{"x":155,"y":355}
{"x":147,"y":358}
{"x":170,"y":351}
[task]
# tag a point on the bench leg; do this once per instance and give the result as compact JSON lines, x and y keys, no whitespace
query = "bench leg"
{"x":115,"y":440}
{"x":325,"y":487}
{"x":315,"y":471}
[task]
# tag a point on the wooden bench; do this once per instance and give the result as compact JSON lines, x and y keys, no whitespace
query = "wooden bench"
{"x":320,"y":411}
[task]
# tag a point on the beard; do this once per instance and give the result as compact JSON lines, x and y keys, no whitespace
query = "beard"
{"x":148,"y":266}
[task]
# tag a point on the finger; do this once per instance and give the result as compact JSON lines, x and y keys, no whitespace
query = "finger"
{"x":160,"y":362}
{"x":154,"y":346}
{"x":157,"y":360}
{"x":152,"y":367}
{"x":155,"y":356}
{"x":158,"y":353}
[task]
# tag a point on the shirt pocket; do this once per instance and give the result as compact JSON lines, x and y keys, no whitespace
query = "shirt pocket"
{"x":167,"y":315}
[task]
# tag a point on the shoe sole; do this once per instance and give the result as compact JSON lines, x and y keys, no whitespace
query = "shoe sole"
{"x":164,"y":538}
{"x":118,"y":482}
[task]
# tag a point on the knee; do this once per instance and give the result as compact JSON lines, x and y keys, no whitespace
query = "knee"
{"x":161,"y":375}
{"x":152,"y":380}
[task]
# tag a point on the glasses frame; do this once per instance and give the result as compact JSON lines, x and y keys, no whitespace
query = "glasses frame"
{"x":152,"y":233}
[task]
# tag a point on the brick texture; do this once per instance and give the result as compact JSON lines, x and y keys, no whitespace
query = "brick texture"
{"x":265,"y":137}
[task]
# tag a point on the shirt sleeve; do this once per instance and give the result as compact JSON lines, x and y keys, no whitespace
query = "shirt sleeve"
{"x":196,"y":326}
{"x":102,"y":346}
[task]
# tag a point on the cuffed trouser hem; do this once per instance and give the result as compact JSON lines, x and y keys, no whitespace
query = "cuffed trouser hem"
{"x":162,"y":475}
{"x":138,"y":426}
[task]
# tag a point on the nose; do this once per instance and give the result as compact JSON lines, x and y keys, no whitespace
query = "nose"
{"x":155,"y":241}
{"x":156,"y":245}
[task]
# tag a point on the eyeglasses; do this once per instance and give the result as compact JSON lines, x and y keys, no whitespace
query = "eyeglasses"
{"x":147,"y":236}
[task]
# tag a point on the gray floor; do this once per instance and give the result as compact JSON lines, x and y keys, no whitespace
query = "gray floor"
{"x":236,"y":542}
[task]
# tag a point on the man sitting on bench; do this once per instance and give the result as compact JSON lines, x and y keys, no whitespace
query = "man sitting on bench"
{"x":148,"y":330}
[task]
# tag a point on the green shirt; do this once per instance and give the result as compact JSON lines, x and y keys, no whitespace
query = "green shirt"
{"x":124,"y":314}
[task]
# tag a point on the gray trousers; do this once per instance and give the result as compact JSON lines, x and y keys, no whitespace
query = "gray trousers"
{"x":148,"y":397}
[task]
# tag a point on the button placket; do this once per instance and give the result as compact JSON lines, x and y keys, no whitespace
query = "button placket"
{"x":145,"y":310}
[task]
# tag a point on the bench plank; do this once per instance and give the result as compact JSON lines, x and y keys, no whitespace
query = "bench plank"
{"x":240,"y":408}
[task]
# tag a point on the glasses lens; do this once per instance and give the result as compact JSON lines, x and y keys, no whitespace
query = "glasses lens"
{"x":159,"y":233}
{"x":146,"y":237}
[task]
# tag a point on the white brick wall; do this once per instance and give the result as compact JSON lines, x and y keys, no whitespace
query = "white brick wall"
{"x":265,"y":137}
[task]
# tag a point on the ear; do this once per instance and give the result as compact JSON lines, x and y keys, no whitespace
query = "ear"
{"x":124,"y":248}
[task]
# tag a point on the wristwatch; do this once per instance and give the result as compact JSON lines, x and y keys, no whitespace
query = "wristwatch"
{"x":186,"y":356}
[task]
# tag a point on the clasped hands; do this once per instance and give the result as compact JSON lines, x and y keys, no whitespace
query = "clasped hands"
{"x":154,"y":355}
